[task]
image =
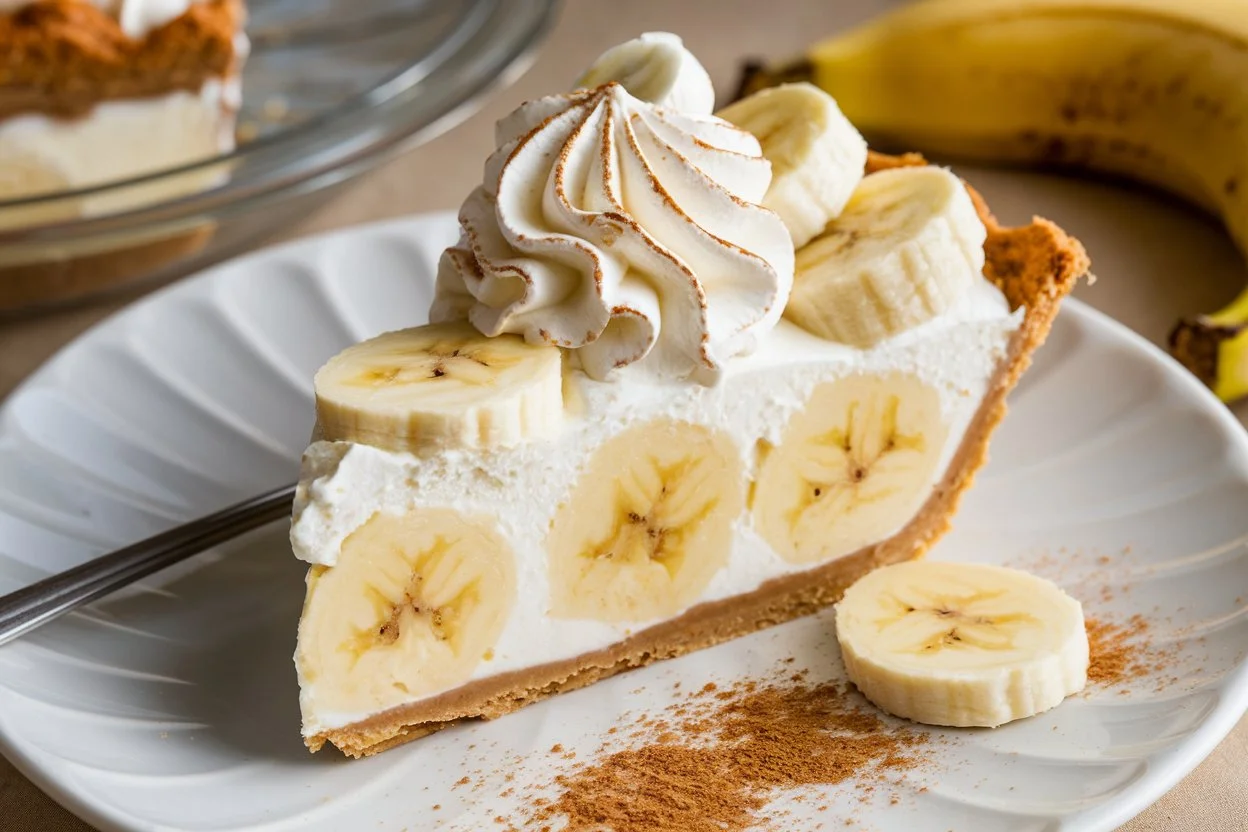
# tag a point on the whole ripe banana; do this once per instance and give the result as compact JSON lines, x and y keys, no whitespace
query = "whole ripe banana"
{"x":1149,"y":90}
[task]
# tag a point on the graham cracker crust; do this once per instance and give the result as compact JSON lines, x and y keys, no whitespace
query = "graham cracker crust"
{"x":62,"y":57}
{"x":1035,"y":266}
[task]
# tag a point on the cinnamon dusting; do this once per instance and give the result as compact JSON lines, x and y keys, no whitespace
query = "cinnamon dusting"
{"x":717,"y":758}
{"x":1122,"y":652}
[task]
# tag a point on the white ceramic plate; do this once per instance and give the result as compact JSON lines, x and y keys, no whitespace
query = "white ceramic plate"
{"x":173,"y":705}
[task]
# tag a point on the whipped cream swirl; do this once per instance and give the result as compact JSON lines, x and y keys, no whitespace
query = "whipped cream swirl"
{"x":624,"y":229}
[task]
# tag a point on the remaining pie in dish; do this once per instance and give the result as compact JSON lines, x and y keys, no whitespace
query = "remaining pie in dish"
{"x":97,"y":91}
{"x":689,"y":375}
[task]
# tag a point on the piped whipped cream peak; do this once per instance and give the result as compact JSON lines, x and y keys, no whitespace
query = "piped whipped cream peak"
{"x":657,"y":68}
{"x":623,"y":228}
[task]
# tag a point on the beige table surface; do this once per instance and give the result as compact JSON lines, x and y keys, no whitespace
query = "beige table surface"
{"x":1155,"y":259}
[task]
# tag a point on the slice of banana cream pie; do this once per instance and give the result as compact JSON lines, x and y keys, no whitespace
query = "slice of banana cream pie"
{"x":689,"y":374}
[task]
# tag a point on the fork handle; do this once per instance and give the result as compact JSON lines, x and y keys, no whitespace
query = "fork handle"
{"x":33,"y":606}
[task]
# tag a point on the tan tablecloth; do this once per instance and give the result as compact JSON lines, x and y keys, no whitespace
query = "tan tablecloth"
{"x":1154,"y":259}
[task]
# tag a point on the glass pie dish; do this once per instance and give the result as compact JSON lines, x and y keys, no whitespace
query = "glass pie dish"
{"x":331,"y":88}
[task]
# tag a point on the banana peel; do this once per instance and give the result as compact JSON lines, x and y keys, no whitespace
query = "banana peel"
{"x":1149,"y":91}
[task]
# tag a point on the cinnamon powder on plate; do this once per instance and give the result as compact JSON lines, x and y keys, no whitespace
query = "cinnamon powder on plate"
{"x":1121,"y":652}
{"x":713,"y":761}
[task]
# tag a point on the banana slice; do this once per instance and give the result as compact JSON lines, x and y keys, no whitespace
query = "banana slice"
{"x":961,"y":644}
{"x":648,"y":525}
{"x":412,"y":607}
{"x":851,"y":468}
{"x":817,"y":157}
{"x":443,"y":385}
{"x":908,"y":244}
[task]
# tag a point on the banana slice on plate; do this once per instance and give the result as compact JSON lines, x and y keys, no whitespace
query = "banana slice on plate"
{"x":442,"y":385}
{"x":908,"y":244}
{"x":413,"y":605}
{"x":961,"y":644}
{"x":817,"y":157}
{"x":648,"y":524}
{"x":851,"y":468}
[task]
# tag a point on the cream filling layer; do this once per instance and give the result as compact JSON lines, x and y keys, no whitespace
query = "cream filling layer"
{"x":342,"y":485}
{"x":118,"y":140}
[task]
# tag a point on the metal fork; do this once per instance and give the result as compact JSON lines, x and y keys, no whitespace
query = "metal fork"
{"x":46,"y":600}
